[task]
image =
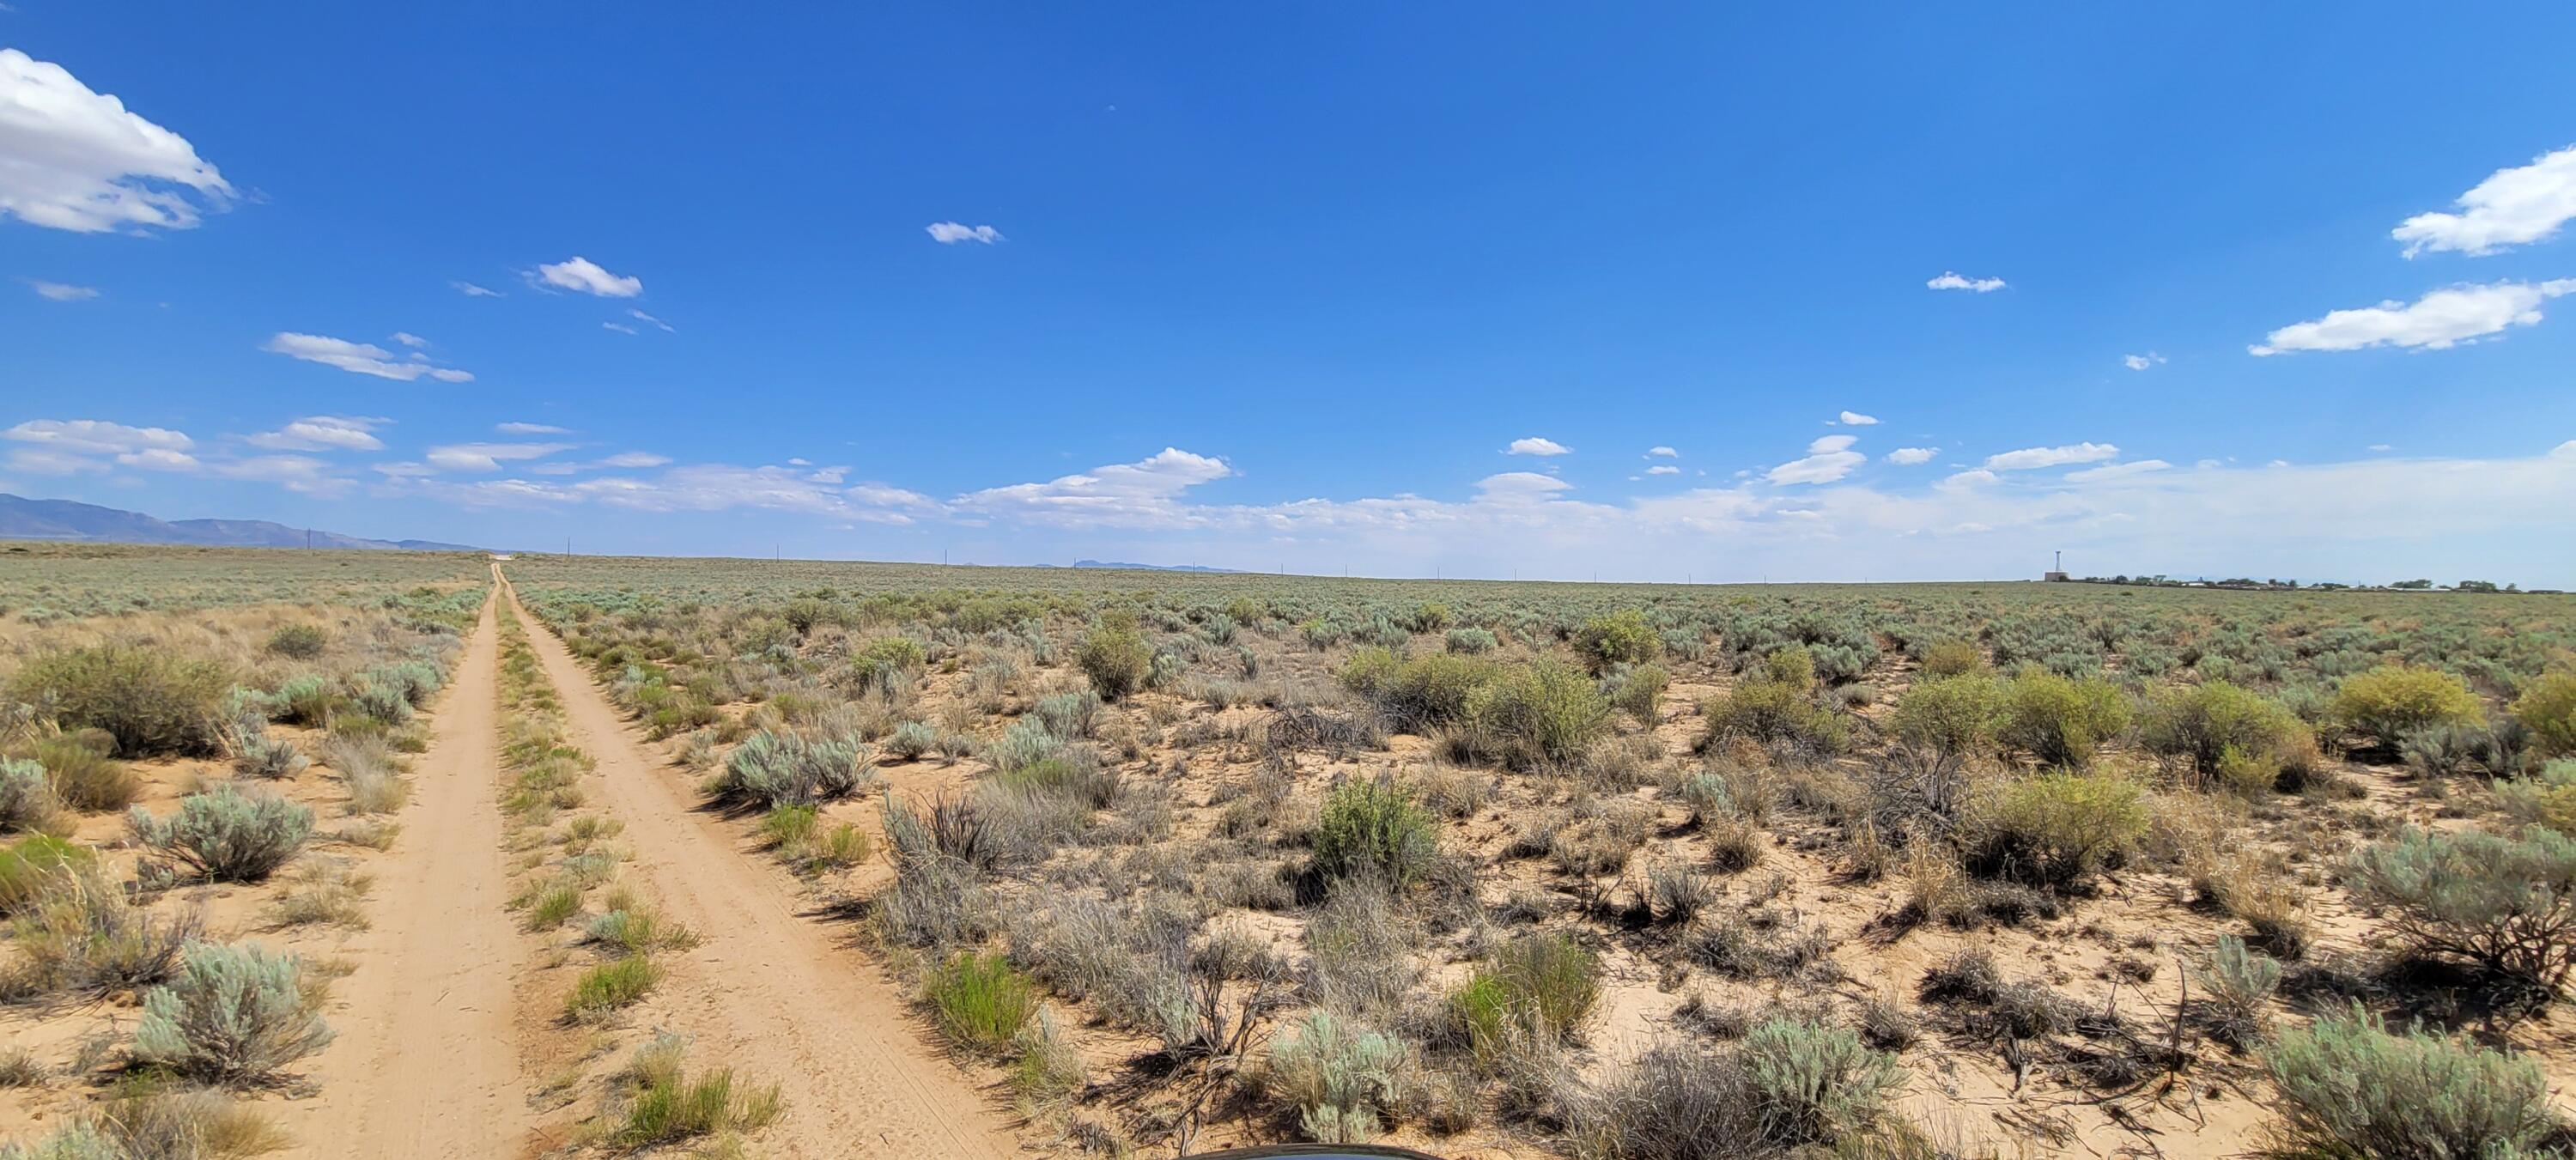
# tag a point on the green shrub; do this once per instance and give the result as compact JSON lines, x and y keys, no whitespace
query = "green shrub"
{"x":2350,"y":1087}
{"x":2203,"y":722}
{"x":301,"y":642}
{"x":1793,"y":666}
{"x":1537,"y":984}
{"x":887,"y":662}
{"x":1953,"y":658}
{"x":1374,"y":830}
{"x":2507,"y":904}
{"x":2239,"y":982}
{"x":1772,"y":712}
{"x":1416,"y":694}
{"x":1470,"y":641}
{"x":306,"y":700}
{"x":27,"y":799}
{"x":1818,"y":1084}
{"x":913,"y":739}
{"x":2547,"y":707}
{"x":2391,"y":701}
{"x":771,"y":769}
{"x":227,"y":834}
{"x":34,"y":865}
{"x":982,"y":1002}
{"x":1639,"y":691}
{"x":1620,"y":638}
{"x":611,"y":986}
{"x":149,"y":699}
{"x":2060,"y":720}
{"x":665,"y":1104}
{"x":1339,"y":1076}
{"x":1543,"y":714}
{"x":2546,"y":800}
{"x":233,"y":1016}
{"x":1950,"y":717}
{"x":2056,"y":829}
{"x":1116,"y":659}
{"x":85,"y":934}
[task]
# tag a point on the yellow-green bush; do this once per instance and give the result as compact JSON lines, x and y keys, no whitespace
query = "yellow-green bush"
{"x":1952,"y":658}
{"x":1620,"y":638}
{"x":2060,"y":721}
{"x":1767,"y":710}
{"x":1374,"y":830}
{"x":2056,"y":829}
{"x":1116,"y":659}
{"x":2391,"y":701}
{"x":1543,"y":713}
{"x":1535,"y":984}
{"x":2203,"y":722}
{"x":151,"y":700}
{"x":2548,"y":708}
{"x":982,"y":1002}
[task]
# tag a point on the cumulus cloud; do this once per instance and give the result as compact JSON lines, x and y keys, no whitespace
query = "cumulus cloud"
{"x":2034,"y":458}
{"x":2526,"y":203}
{"x":488,"y":456}
{"x":1146,"y":491}
{"x":1952,"y":280}
{"x":2139,"y":362}
{"x":1911,"y":456}
{"x":2436,"y":321}
{"x":364,"y":358}
{"x":517,"y":428}
{"x":1662,"y":453}
{"x":582,"y":274}
{"x":1856,"y":419}
{"x":61,"y":291}
{"x":1535,"y":446}
{"x":323,"y":432}
{"x":951,"y":233}
{"x":73,"y":159}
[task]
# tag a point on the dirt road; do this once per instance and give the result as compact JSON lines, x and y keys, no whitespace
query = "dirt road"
{"x":768,"y":992}
{"x":427,"y":1063}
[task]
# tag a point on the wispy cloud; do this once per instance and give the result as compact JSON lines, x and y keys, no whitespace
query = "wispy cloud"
{"x":2436,"y":321}
{"x":951,"y":233}
{"x":2034,"y":458}
{"x":471,"y":290}
{"x":647,"y":318}
{"x":361,"y":358}
{"x":488,"y":456}
{"x":518,"y":428}
{"x":323,"y":432}
{"x":61,"y":291}
{"x":1828,"y":459}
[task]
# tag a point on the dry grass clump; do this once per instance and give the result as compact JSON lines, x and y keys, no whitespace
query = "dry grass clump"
{"x":655,"y":1100}
{"x":84,"y":935}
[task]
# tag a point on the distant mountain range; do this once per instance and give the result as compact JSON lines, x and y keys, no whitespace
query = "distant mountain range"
{"x":1149,"y":567}
{"x":61,"y":519}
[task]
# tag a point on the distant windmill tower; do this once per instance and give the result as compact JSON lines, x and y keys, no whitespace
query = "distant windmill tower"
{"x":2058,"y":573}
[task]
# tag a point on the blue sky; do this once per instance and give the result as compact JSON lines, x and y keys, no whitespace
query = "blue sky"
{"x":1284,"y":286}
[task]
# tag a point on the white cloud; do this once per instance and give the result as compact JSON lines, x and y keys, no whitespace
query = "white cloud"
{"x":96,"y":437}
{"x":61,"y":291}
{"x":2032,"y":458}
{"x":516,"y":428}
{"x":363,"y":358}
{"x":471,"y":290}
{"x":2116,"y":470}
{"x":2512,"y":206}
{"x":321,"y":432}
{"x":488,"y":456}
{"x":1951,"y":280}
{"x":1536,"y":446}
{"x":951,"y":233}
{"x":2381,"y":447}
{"x":2436,"y":321}
{"x":2139,"y":362}
{"x":1145,"y":491}
{"x":1663,"y":469}
{"x":409,"y":339}
{"x":1973,"y":477}
{"x":1856,"y":419}
{"x":2565,"y":450}
{"x":586,"y":276}
{"x":297,"y":473}
{"x":1910,"y":456}
{"x":73,"y":159}
{"x":641,"y":316}
{"x":629,"y":459}
{"x":1662,"y":453}
{"x":1828,"y":459}
{"x":1516,"y":486}
{"x":620,"y":328}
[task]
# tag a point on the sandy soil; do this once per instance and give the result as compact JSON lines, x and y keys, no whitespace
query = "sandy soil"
{"x":426,"y":1063}
{"x":771,"y":992}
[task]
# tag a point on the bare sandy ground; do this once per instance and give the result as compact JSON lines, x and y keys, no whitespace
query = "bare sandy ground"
{"x":769,"y":992}
{"x":426,"y":1063}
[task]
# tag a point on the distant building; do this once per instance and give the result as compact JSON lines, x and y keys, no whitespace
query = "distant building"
{"x":2054,"y":577}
